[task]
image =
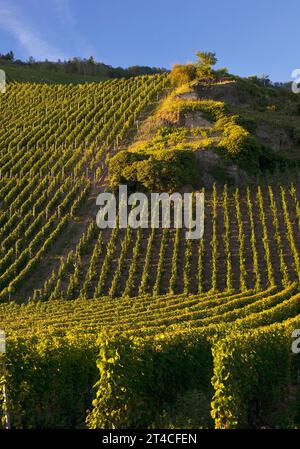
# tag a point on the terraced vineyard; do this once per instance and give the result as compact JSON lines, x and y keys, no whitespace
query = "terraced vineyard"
{"x":251,"y":241}
{"x":151,"y":316}
{"x":247,"y":263}
{"x":168,"y":316}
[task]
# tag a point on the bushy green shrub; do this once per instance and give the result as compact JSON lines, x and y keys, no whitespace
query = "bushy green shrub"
{"x":235,"y":139}
{"x":225,"y":120}
{"x":180,"y":168}
{"x":119,"y":163}
{"x":166,"y":170}
{"x":238,"y":144}
{"x":222,"y":73}
{"x":182,"y":74}
{"x":212,"y":110}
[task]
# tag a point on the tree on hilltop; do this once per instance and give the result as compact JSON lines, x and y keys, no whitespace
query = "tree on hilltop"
{"x":206,"y":60}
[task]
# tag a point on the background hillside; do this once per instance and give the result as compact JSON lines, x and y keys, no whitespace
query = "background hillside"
{"x":76,"y":70}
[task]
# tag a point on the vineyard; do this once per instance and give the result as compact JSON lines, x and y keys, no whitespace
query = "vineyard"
{"x":196,"y":332}
{"x":51,"y":159}
{"x":251,"y":242}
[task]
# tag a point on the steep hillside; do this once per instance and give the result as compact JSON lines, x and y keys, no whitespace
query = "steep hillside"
{"x":234,"y":127}
{"x":181,"y":333}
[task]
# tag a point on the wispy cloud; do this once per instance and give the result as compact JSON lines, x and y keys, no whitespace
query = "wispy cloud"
{"x":64,"y":10}
{"x":34,"y":44}
{"x":68,"y":18}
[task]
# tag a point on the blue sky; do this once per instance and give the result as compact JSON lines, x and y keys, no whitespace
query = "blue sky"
{"x":249,"y":37}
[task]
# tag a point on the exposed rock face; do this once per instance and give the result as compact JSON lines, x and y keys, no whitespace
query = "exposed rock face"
{"x":191,"y":96}
{"x":229,"y":92}
{"x":209,"y":159}
{"x":239,"y":175}
{"x":276,"y":138}
{"x":191,"y":119}
{"x":195,"y":119}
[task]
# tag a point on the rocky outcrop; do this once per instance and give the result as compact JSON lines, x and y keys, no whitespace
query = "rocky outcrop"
{"x":195,"y":119}
{"x":277,"y":139}
{"x":228,"y":92}
{"x":239,"y":175}
{"x":209,"y":160}
{"x":190,"y":96}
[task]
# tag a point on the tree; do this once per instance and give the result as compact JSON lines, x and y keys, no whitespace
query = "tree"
{"x":206,"y":60}
{"x":8,"y":57}
{"x":158,"y":171}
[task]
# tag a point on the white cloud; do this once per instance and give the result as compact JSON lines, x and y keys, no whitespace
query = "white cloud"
{"x":33,"y":43}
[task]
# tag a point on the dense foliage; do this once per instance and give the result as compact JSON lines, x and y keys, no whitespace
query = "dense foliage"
{"x":50,"y":380}
{"x":159,"y":171}
{"x":183,"y":74}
